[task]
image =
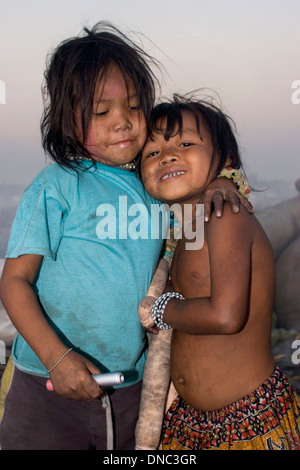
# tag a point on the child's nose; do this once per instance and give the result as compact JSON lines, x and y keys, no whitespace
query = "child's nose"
{"x":122,"y":121}
{"x":169,"y":156}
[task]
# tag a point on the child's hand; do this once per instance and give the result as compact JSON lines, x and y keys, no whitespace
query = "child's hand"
{"x":72,"y":378}
{"x":219,"y":191}
{"x":153,"y":330}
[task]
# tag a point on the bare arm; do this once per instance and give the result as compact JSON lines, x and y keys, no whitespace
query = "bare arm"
{"x":72,"y":377}
{"x":225,"y":311}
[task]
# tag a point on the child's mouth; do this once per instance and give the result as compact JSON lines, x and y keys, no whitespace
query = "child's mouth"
{"x":124,"y":144}
{"x":173,"y":174}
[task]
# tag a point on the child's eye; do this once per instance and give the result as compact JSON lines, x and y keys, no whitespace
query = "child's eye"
{"x":186,"y":144}
{"x":136,"y":107}
{"x":101,"y":113}
{"x":152,"y":154}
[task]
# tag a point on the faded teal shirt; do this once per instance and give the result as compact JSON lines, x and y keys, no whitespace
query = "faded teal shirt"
{"x":93,"y":228}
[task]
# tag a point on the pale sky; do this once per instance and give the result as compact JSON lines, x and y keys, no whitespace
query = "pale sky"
{"x":246,"y":51}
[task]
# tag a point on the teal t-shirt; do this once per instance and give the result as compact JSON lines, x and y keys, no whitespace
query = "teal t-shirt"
{"x":100,"y":249}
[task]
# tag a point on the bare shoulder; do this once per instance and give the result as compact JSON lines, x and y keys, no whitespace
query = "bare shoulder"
{"x":238,"y":223}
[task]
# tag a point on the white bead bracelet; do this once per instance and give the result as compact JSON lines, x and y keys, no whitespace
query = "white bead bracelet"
{"x":159,"y":306}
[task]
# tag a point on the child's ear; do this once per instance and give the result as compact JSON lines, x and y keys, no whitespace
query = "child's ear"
{"x":228,"y":162}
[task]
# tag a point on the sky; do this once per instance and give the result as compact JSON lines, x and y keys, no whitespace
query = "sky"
{"x":245,"y":52}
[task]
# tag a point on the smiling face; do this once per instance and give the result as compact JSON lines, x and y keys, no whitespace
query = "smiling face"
{"x":178,"y":169}
{"x":117,"y":129}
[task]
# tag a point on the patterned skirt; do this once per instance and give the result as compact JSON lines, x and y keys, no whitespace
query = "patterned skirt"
{"x":267,"y":419}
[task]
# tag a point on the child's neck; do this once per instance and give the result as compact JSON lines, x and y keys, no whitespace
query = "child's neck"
{"x":127,"y":166}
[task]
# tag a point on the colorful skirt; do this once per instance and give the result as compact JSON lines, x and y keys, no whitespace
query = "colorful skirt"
{"x":267,"y":419}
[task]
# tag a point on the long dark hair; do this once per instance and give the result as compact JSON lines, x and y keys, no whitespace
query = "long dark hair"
{"x":71,"y":76}
{"x":219,"y":125}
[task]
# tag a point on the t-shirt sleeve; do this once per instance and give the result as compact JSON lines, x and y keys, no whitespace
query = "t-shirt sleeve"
{"x":38,"y":225}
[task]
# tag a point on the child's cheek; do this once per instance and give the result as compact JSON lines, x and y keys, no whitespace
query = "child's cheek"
{"x":92,"y":139}
{"x":148,"y":181}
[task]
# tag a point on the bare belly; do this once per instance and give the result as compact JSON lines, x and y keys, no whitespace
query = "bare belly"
{"x":216,"y":371}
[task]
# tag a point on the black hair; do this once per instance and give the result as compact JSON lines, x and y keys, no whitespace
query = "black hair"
{"x":71,"y":77}
{"x":219,"y":125}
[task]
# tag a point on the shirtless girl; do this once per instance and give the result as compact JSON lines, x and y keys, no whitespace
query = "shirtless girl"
{"x":231,"y":394}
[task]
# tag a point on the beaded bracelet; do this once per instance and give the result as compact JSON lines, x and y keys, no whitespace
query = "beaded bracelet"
{"x":59,"y":360}
{"x":159,"y":306}
{"x":238,"y":178}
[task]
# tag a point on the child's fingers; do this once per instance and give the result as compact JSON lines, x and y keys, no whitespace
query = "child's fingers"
{"x":234,"y":202}
{"x":84,"y":389}
{"x":248,"y":205}
{"x":207,"y":208}
{"x":217,"y":200}
{"x":236,"y":199}
{"x":154,"y":330}
{"x":72,"y":378}
{"x":92,"y":368}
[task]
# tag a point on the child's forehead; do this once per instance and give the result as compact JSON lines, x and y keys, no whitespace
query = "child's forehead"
{"x":186,"y":122}
{"x":113,"y":82}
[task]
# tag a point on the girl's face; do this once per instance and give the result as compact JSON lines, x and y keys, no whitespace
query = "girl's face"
{"x":117,"y":129}
{"x":178,"y":170}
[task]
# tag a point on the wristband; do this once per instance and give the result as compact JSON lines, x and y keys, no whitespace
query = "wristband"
{"x":59,"y":360}
{"x":159,"y":306}
{"x":238,"y":178}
